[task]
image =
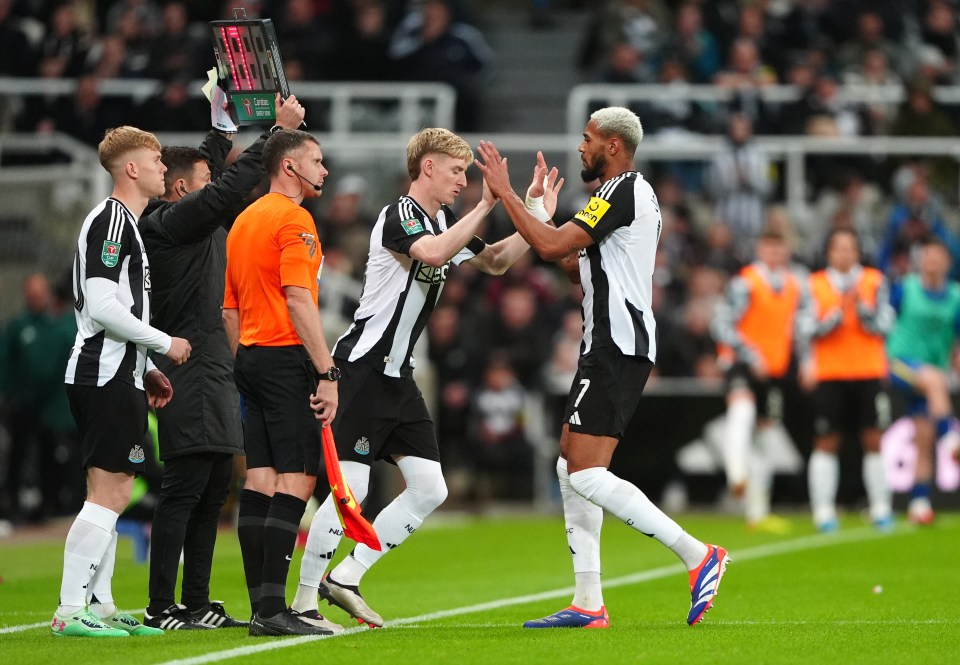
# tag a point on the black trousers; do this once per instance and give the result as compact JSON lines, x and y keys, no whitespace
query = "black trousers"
{"x":193,"y":491}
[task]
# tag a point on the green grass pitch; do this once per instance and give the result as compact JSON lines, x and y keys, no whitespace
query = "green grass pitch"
{"x":458,"y":591}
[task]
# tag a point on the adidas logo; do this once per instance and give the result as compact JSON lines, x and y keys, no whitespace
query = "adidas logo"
{"x":575,"y":418}
{"x":362,"y":446}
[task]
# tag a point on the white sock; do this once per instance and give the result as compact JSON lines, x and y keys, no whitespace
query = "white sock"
{"x":324,"y":536}
{"x":583,"y":520}
{"x":101,"y":586}
{"x":628,"y":503}
{"x":741,"y":417}
{"x":690,"y":550}
{"x":425,"y":491}
{"x":760,"y":477}
{"x":823,"y":476}
{"x":875,"y":482}
{"x":86,"y":543}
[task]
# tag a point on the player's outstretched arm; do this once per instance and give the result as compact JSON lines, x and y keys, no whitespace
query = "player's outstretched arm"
{"x":437,"y":250}
{"x":541,"y":201}
{"x":550,"y":242}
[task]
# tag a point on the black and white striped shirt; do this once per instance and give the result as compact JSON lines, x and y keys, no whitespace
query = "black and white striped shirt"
{"x":111,"y":292}
{"x":616,"y":272}
{"x":399,"y":292}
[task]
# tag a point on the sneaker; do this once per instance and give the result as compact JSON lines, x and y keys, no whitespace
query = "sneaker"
{"x":828,"y":526}
{"x":133,"y":627}
{"x":314,"y":618}
{"x":214,"y":616}
{"x":83,"y":624}
{"x":920,"y":511}
{"x":572,"y":617}
{"x":175,"y":617}
{"x":883,"y":524}
{"x":705,"y":582}
{"x":284,"y":623}
{"x":772,"y":524}
{"x":348,"y":599}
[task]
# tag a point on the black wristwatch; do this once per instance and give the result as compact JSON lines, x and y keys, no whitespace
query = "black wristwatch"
{"x":332,"y":374}
{"x":275,"y":129}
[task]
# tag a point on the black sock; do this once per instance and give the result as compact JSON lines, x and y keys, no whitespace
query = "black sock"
{"x":254,"y":507}
{"x":279,"y":540}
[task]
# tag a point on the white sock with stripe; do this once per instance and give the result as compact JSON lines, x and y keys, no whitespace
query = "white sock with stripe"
{"x":83,"y":551}
{"x":425,"y":491}
{"x":628,"y":503}
{"x":583,"y":520}
{"x":324,"y":536}
{"x":823,"y":478}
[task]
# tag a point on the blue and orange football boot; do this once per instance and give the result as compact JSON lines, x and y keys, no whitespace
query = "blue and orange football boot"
{"x":705,"y":581}
{"x":572,"y":617}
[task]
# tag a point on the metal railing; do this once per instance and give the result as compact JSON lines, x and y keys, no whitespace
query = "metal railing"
{"x":418,"y":104}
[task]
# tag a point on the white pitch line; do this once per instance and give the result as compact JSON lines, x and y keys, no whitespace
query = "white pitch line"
{"x":759,"y":552}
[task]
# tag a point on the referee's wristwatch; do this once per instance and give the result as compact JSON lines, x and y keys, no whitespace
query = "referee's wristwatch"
{"x":332,"y":374}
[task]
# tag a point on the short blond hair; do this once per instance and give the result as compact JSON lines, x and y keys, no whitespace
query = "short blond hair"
{"x":621,"y":122}
{"x":119,"y":141}
{"x":435,"y":140}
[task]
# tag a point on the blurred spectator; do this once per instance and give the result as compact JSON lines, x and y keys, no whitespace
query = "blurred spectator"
{"x":89,"y":116}
{"x":63,"y":51}
{"x":856,"y":206}
{"x":912,"y":222}
{"x":822,"y":98}
{"x":173,"y":110}
{"x":686,"y":347}
{"x":516,"y":327}
{"x":738,"y":180}
{"x":429,"y":46}
{"x":174,"y":52}
{"x":873,"y":74}
{"x":307,"y":35}
{"x":745,"y":74}
{"x":693,"y":45}
{"x":16,"y":53}
{"x":677,"y":113}
{"x":502,"y":456}
{"x":143,"y":12}
{"x":615,"y":23}
{"x":870,"y":37}
{"x":345,"y":226}
{"x":365,"y":35}
{"x":33,"y":366}
{"x":752,"y":26}
{"x":919,"y":115}
{"x":625,"y":65}
{"x":939,"y":30}
{"x":135,"y":25}
{"x":721,"y":251}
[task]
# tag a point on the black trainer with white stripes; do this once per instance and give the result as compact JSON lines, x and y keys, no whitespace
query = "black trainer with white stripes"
{"x":175,"y":617}
{"x":214,"y":616}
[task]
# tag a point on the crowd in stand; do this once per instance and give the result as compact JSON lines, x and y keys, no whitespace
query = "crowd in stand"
{"x":496,"y":340}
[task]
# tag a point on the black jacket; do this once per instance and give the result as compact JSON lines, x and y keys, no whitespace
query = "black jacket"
{"x":186,"y":245}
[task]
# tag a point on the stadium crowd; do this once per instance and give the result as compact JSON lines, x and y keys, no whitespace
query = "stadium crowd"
{"x":493,"y":341}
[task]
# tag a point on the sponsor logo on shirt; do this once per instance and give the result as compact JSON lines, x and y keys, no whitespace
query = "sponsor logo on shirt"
{"x":310,"y":241}
{"x":593,"y":212}
{"x":430,"y":275}
{"x":110,"y":254}
{"x":411,"y":226}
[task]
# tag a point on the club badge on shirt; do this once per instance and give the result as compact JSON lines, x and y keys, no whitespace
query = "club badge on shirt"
{"x":110,"y":254}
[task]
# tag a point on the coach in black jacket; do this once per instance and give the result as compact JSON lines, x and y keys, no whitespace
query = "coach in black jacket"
{"x":185,"y":237}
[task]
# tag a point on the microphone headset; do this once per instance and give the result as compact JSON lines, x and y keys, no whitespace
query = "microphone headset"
{"x":312,"y":184}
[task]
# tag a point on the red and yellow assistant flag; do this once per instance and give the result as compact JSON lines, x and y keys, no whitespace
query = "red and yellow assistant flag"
{"x":355,"y":525}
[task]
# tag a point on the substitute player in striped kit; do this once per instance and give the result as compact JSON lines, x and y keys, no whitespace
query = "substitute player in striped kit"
{"x":111,"y":380}
{"x":609,"y":247}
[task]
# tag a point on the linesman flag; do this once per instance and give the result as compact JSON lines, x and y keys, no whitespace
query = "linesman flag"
{"x":355,"y":526}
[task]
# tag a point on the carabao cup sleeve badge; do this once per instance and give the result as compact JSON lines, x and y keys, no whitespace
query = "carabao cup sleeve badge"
{"x":110,"y":254}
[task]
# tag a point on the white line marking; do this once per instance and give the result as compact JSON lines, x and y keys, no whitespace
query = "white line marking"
{"x":762,"y":551}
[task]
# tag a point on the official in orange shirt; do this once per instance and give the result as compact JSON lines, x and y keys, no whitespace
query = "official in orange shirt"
{"x":271,"y":314}
{"x":754,"y":328}
{"x":841,"y":336}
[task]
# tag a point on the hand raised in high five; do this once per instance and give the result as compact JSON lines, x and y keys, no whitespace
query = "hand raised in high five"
{"x":545,"y":184}
{"x":289,"y":112}
{"x":496,"y":176}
